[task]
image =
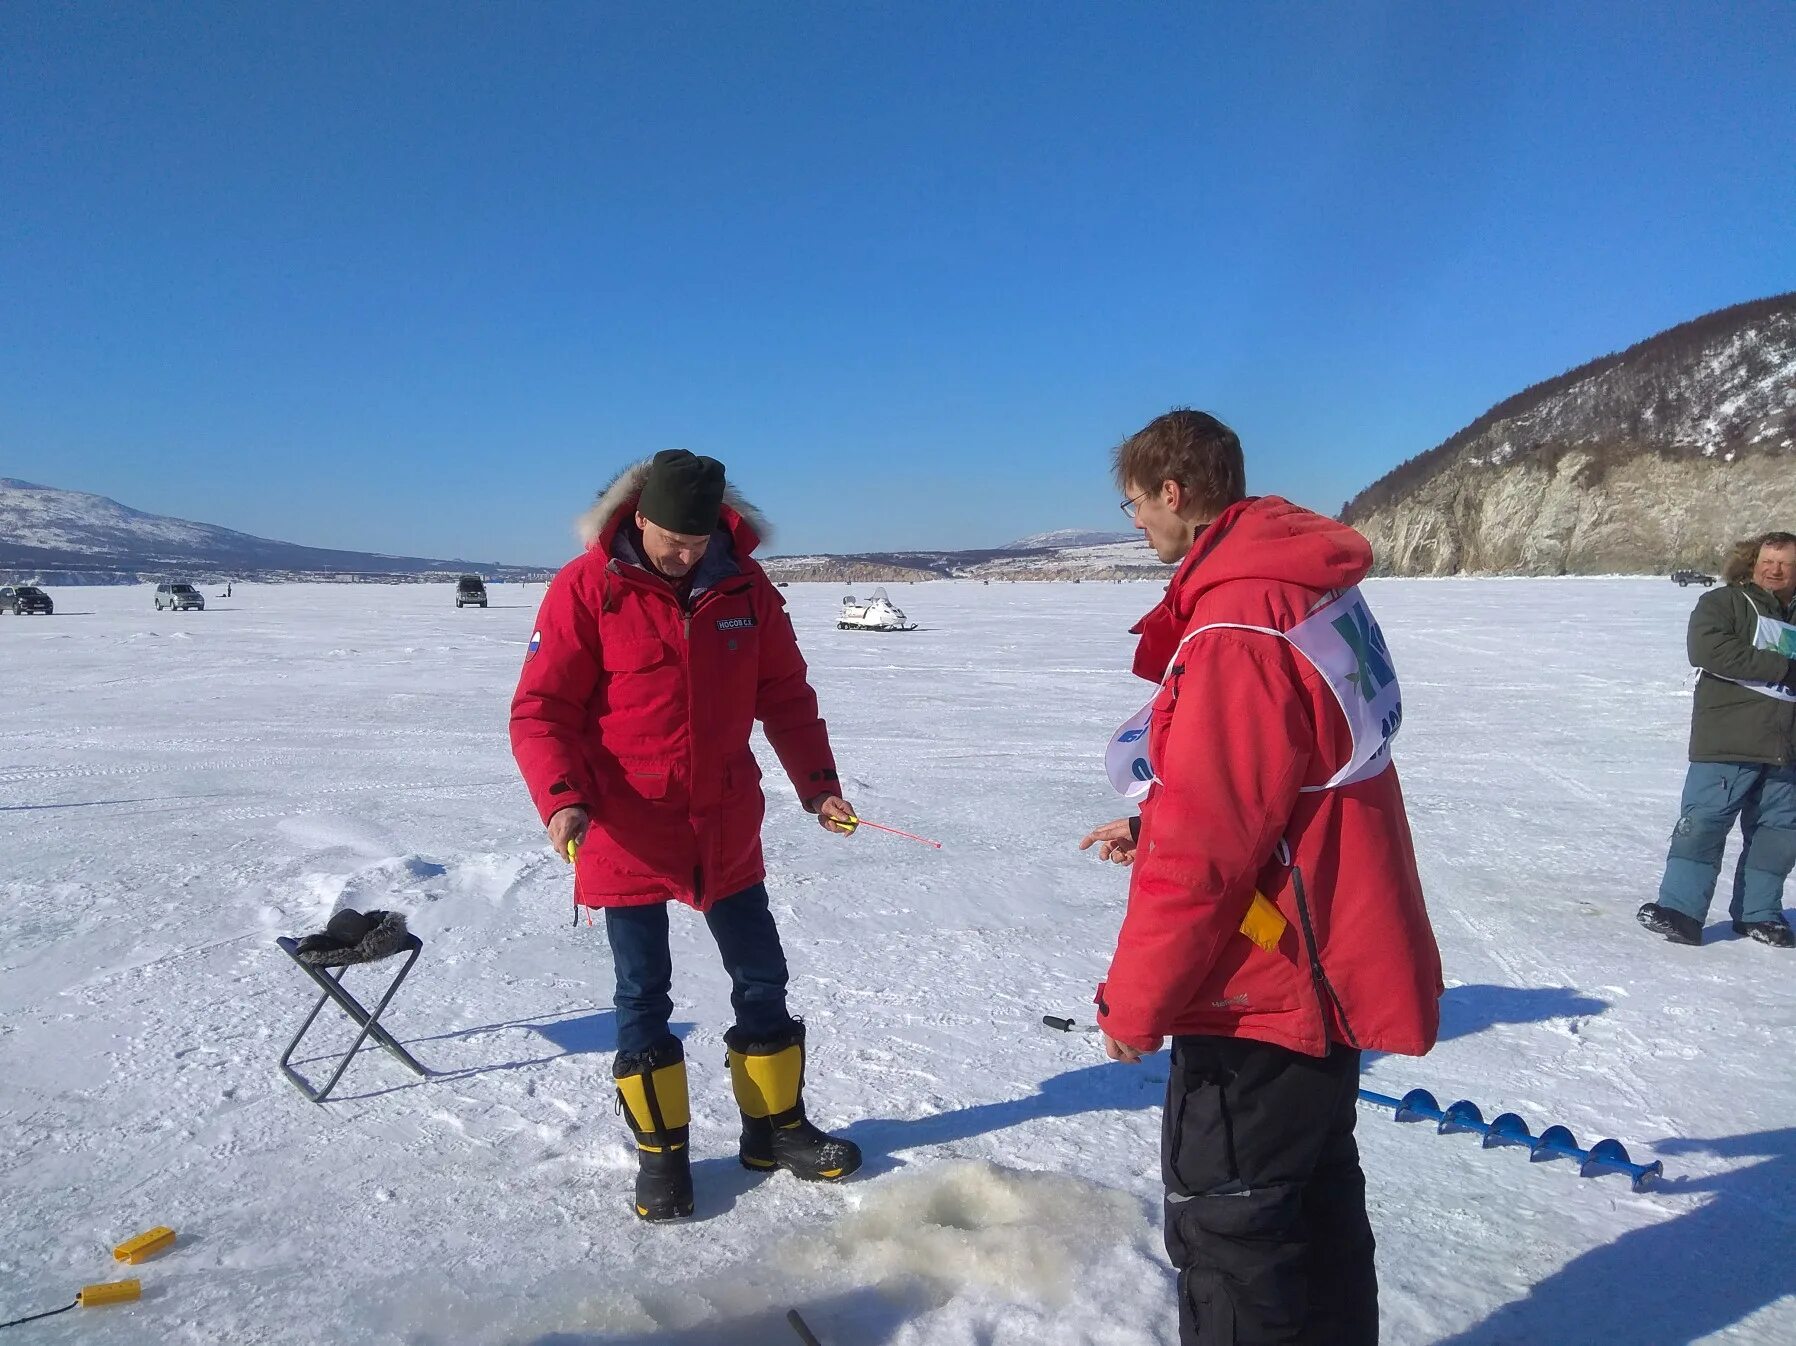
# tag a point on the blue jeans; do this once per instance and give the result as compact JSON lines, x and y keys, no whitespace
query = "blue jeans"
{"x":748,"y":942}
{"x":1763,"y":798}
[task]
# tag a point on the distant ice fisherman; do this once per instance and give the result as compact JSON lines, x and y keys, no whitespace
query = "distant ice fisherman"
{"x":1742,"y":638}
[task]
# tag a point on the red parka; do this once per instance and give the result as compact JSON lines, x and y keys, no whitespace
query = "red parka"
{"x":1238,"y":730}
{"x":638,"y":708}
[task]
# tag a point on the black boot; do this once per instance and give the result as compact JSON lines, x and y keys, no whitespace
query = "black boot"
{"x":1674,"y":925}
{"x":1775,"y":931}
{"x":768,"y":1077}
{"x":651,"y":1093}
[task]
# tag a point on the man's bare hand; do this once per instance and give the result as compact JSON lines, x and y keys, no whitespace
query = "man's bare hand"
{"x":567,"y":825}
{"x":1121,"y":1051}
{"x":836,"y":814}
{"x":1115,"y":842}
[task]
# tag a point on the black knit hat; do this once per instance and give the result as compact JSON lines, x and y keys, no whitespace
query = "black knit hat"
{"x":683,"y":493}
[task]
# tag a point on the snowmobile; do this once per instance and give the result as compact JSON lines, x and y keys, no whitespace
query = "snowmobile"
{"x":878,"y":613}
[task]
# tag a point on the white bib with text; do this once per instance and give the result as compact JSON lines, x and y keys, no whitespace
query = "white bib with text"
{"x":1771,"y":635}
{"x":1341,"y":640}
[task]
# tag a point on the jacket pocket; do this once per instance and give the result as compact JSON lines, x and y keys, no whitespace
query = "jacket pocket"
{"x":1168,"y":695}
{"x":648,"y":784}
{"x":1198,"y":1148}
{"x":741,"y":772}
{"x":1160,"y":723}
{"x":631,"y":654}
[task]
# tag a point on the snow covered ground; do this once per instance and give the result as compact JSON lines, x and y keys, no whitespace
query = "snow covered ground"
{"x":175,"y":790}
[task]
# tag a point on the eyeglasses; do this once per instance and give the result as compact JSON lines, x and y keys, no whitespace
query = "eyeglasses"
{"x":1130,"y":506}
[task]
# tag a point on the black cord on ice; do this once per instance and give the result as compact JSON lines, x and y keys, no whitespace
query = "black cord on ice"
{"x":50,"y":1314}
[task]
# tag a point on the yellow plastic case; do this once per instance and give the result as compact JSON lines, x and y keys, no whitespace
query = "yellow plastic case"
{"x":145,"y":1245}
{"x":110,"y":1292}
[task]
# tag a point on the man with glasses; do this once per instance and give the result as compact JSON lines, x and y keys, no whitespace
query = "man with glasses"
{"x":653,"y":656}
{"x":1275,"y":926}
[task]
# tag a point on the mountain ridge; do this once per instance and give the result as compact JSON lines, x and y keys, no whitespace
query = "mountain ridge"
{"x":1646,"y":459}
{"x":55,"y":536}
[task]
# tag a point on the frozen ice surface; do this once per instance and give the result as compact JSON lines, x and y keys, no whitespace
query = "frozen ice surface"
{"x":176,"y":789}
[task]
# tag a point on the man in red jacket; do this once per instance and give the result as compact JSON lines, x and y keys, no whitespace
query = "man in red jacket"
{"x":1275,"y":925}
{"x":653,"y":656}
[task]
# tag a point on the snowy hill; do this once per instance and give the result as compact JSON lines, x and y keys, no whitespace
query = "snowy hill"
{"x":1113,"y":556}
{"x":1070,"y":537}
{"x":1126,"y":556}
{"x":72,"y":537}
{"x":1643,"y":461}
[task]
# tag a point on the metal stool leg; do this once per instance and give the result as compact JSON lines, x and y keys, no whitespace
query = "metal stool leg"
{"x":330,"y":984}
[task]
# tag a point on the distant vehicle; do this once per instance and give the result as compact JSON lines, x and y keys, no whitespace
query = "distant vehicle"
{"x":878,"y":613}
{"x":179,"y":598}
{"x":469,"y":590}
{"x":24,"y":599}
{"x":1685,"y":578}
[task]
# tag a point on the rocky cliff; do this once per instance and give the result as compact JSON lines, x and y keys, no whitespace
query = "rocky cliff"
{"x":1642,"y":461}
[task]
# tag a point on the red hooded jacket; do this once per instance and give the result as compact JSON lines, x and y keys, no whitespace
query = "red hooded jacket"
{"x":638,"y":708}
{"x":1238,"y":729}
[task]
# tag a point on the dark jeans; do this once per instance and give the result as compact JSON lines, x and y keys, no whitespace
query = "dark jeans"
{"x":748,"y":942}
{"x":1265,"y":1202}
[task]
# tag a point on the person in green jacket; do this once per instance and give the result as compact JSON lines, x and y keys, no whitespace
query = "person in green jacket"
{"x":1742,"y":752}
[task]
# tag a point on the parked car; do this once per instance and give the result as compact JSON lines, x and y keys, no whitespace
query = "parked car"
{"x":469,"y":590}
{"x":24,"y":599}
{"x":1685,"y":578}
{"x":179,"y":597}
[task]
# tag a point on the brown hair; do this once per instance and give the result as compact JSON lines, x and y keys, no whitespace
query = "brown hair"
{"x":1192,"y":448}
{"x":1745,"y":555}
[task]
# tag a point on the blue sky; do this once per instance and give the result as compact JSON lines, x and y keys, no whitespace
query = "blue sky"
{"x":420,"y":277}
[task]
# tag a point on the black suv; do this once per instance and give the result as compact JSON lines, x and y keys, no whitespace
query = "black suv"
{"x":23,"y":599}
{"x":470,"y":591}
{"x":1685,"y":578}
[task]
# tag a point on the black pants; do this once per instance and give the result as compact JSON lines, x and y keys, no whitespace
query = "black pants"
{"x":1265,"y":1202}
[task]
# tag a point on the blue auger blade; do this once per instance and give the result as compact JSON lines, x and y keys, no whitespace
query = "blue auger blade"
{"x":1556,"y":1142}
{"x":1418,"y":1105}
{"x":1507,"y":1128}
{"x":1462,"y":1116}
{"x":1612,"y":1154}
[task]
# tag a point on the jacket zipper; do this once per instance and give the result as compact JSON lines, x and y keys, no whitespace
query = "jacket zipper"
{"x":1323,"y":985}
{"x":698,"y":870}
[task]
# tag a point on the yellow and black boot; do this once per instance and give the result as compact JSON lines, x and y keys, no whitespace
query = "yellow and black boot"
{"x":651,"y":1093}
{"x":768,"y":1077}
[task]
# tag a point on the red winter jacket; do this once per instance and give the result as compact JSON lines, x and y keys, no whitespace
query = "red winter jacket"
{"x":640,"y":711}
{"x":1237,"y":729}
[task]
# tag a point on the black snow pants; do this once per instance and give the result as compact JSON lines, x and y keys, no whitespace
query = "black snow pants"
{"x":1265,"y":1201}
